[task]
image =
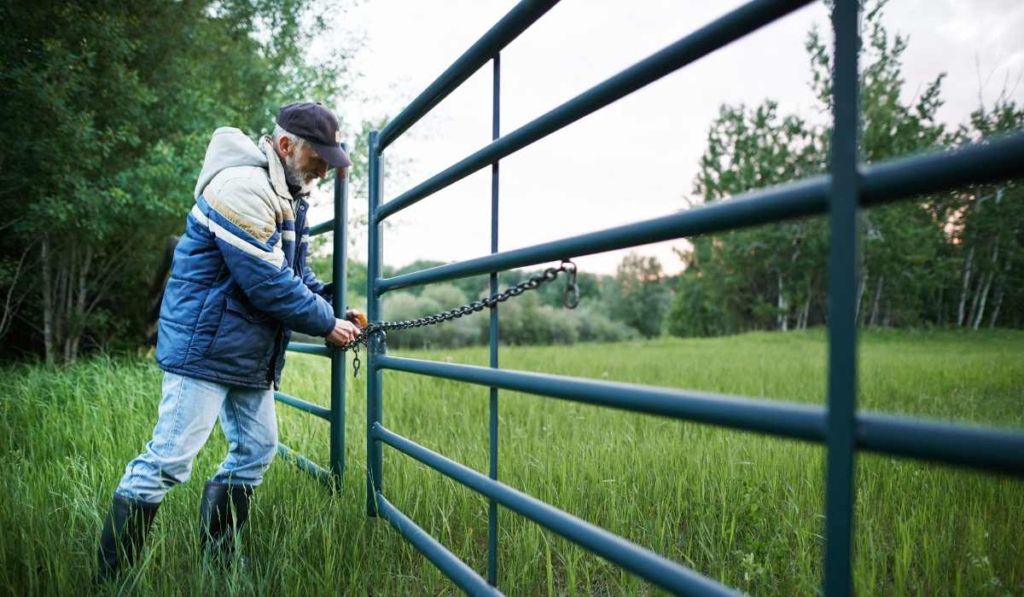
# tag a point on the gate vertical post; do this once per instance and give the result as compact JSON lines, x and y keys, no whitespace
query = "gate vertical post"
{"x":492,"y":511}
{"x":842,"y":323}
{"x":374,"y":457}
{"x":339,"y":268}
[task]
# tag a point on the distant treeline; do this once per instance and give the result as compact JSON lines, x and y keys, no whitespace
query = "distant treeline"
{"x":951,"y":259}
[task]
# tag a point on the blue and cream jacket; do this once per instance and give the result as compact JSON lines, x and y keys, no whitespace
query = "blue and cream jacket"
{"x":239,"y":282}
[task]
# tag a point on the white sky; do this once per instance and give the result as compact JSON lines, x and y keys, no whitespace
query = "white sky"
{"x":637,"y":158}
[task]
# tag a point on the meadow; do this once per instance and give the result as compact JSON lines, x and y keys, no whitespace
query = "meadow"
{"x":743,"y":508}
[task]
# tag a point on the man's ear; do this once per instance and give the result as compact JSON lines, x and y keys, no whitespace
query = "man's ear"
{"x":284,"y":145}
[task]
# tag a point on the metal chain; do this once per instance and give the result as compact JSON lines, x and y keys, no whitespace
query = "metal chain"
{"x":570,"y":298}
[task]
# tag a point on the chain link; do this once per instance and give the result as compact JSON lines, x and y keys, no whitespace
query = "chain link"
{"x":570,"y":298}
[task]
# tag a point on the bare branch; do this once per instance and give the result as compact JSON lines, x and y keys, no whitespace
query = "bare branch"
{"x":7,"y":317}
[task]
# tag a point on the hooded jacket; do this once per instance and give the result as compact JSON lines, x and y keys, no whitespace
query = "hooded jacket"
{"x":239,"y":282}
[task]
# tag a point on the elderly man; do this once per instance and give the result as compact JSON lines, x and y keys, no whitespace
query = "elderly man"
{"x":238,"y":286}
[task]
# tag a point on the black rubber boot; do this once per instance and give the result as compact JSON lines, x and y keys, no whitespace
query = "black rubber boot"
{"x":222,"y":514}
{"x":124,"y":535}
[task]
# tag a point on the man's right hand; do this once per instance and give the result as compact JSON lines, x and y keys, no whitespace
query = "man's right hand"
{"x":343,"y":332}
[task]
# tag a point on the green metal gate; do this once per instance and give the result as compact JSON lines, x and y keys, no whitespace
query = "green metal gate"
{"x":838,"y":425}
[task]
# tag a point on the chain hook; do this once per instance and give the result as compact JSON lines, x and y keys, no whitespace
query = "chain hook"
{"x":571,"y":296}
{"x":356,"y":363}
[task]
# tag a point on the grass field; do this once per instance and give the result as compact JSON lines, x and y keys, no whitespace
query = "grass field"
{"x":743,"y":508}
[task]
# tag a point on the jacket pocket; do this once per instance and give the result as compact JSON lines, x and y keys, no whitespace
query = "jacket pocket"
{"x":244,"y":339}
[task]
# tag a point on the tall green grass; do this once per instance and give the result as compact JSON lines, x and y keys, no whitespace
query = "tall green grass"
{"x":742,"y":508}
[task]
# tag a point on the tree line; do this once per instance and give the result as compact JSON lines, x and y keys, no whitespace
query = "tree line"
{"x":109,"y":106}
{"x":950,"y":259}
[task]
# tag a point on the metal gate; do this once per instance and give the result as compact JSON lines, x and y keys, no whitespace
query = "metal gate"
{"x":838,"y":425}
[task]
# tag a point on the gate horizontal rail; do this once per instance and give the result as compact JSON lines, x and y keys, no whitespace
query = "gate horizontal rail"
{"x":884,"y":182}
{"x":976,"y":447}
{"x":983,"y":448}
{"x":646,"y":564}
{"x":461,"y":574}
{"x":839,"y":193}
{"x":797,"y":421}
{"x":309,"y":407}
{"x":504,"y":31}
{"x":304,"y":464}
{"x":322,"y":228}
{"x":313,"y":349}
{"x":702,"y":42}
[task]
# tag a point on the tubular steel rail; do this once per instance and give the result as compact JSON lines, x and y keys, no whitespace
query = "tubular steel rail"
{"x":838,"y":425}
{"x":335,"y":415}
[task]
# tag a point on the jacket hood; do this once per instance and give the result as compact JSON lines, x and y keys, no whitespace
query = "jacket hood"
{"x":230,"y":148}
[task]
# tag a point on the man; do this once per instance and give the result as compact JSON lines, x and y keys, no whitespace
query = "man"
{"x":238,"y":286}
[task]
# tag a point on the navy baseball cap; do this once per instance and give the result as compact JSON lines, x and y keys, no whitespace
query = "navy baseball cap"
{"x":316,"y":124}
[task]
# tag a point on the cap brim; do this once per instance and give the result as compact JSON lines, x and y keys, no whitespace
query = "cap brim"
{"x":334,"y":155}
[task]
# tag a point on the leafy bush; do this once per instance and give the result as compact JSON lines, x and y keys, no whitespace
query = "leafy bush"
{"x":597,"y":327}
{"x":523,"y":321}
{"x":453,"y":334}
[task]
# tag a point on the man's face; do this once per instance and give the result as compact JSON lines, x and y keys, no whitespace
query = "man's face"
{"x":302,"y":165}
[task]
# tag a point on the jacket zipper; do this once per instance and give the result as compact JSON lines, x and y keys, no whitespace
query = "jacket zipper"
{"x":299,"y":219}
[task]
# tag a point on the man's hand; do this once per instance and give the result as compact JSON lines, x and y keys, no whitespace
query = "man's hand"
{"x":343,"y":332}
{"x":342,"y":172}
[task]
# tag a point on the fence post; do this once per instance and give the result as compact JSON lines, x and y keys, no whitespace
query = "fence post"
{"x":842,"y":325}
{"x":492,"y":509}
{"x":339,"y":269}
{"x":374,"y":268}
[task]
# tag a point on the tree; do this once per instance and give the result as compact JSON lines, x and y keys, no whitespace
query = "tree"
{"x":754,"y":277}
{"x":109,"y":109}
{"x":639,"y":294}
{"x":900,"y":241}
{"x":985,"y":232}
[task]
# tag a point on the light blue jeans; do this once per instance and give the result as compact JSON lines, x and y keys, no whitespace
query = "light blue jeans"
{"x":189,"y":409}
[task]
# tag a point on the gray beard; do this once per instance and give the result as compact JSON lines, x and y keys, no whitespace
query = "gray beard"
{"x":293,"y":176}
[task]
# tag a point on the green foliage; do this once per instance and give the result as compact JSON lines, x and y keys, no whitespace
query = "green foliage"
{"x":693,"y":312}
{"x":742,"y":280}
{"x":524,"y":320}
{"x":938,"y":260}
{"x":984,"y":227}
{"x":638,"y":296}
{"x":595,"y":326}
{"x":109,"y":108}
{"x":400,"y":306}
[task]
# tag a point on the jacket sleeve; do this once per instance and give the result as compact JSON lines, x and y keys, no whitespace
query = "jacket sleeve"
{"x":242,"y":221}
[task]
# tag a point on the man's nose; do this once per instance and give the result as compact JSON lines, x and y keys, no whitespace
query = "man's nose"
{"x":321,"y":172}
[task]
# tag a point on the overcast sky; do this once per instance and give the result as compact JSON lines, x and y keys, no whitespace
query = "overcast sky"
{"x":637,"y":158}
